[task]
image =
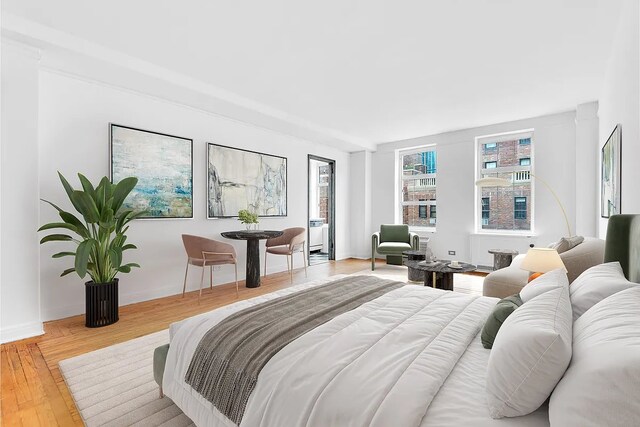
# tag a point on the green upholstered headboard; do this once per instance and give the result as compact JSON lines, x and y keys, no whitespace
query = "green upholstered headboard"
{"x":623,"y":244}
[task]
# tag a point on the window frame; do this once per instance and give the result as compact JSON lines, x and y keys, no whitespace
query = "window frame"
{"x":524,"y":158}
{"x":501,"y":137}
{"x":400,"y":202}
{"x":515,"y":205}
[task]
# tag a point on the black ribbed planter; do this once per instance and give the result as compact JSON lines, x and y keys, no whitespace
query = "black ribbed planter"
{"x":101,"y":303}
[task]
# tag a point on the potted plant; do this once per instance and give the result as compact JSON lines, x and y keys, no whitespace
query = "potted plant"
{"x":247,"y":218}
{"x":100,"y":239}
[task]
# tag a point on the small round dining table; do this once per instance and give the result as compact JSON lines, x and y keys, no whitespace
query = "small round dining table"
{"x":253,"y":238}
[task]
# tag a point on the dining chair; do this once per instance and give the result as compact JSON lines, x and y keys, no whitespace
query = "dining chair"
{"x":292,"y":241}
{"x":203,"y":252}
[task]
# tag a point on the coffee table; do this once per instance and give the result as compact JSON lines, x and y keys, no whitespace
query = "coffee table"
{"x":438,"y":274}
{"x":413,"y":274}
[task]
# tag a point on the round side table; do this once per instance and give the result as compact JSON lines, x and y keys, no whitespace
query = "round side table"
{"x":414,"y":274}
{"x":502,"y":257}
{"x":252,"y":237}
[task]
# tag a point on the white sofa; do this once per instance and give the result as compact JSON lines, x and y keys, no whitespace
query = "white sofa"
{"x":510,"y":280}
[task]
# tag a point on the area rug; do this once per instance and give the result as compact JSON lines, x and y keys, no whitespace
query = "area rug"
{"x":114,"y":386}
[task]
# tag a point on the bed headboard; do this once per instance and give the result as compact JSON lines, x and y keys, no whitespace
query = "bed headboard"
{"x":623,"y":244}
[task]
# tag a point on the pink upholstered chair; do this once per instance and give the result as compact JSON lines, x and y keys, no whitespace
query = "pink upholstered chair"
{"x":292,"y":241}
{"x":204,"y":252}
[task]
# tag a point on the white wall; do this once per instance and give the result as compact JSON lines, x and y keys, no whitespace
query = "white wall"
{"x":554,"y":161}
{"x":586,"y":152}
{"x":619,"y":103}
{"x":74,"y":117}
{"x":19,"y":291}
{"x":360,"y":196}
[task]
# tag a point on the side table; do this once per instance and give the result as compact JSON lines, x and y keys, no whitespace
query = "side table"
{"x":502,"y":257}
{"x":414,"y":274}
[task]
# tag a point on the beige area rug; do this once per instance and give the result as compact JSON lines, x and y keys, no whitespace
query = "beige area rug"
{"x":114,"y":386}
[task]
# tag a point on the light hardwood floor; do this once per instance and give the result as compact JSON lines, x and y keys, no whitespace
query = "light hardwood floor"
{"x":33,"y":392}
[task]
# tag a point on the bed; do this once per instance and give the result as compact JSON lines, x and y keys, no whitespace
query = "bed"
{"x":410,"y":357}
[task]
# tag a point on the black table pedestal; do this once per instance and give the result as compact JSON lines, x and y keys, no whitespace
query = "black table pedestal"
{"x":253,"y":263}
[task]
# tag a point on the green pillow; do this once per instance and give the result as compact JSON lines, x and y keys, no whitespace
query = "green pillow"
{"x":500,"y":312}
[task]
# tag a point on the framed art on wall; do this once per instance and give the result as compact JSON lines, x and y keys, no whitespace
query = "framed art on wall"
{"x":241,"y":179}
{"x":611,"y":178}
{"x":163,"y":165}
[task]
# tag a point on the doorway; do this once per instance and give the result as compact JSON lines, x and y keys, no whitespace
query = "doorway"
{"x":321,"y":209}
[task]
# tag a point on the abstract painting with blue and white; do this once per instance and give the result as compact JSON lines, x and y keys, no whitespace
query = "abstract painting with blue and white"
{"x":240,"y":179}
{"x":163,"y":166}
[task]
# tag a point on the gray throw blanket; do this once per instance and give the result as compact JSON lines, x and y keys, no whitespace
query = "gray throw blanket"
{"x":225,"y":366}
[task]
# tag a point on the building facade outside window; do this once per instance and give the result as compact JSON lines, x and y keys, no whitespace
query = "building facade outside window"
{"x":418,"y":172}
{"x":505,"y":209}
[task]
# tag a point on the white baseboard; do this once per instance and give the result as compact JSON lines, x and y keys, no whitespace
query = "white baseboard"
{"x":19,"y":332}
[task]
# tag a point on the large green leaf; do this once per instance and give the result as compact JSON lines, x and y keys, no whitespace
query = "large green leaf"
{"x":115,"y":254}
{"x":127,"y":267}
{"x":70,"y":218}
{"x":61,"y":254}
{"x":70,"y":190}
{"x":129,"y":246}
{"x":58,"y":225}
{"x":87,"y":186}
{"x":56,"y":238}
{"x":86,"y":206}
{"x":121,"y":191}
{"x":55,"y":206}
{"x":82,"y":256}
{"x":67,"y":271}
{"x":107,"y":220}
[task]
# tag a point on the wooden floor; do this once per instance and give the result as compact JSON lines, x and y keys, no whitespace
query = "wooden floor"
{"x":33,"y":391}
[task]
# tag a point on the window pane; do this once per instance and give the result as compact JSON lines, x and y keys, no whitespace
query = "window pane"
{"x":490,"y":165}
{"x":525,"y":161}
{"x":420,"y":189}
{"x":525,"y":141}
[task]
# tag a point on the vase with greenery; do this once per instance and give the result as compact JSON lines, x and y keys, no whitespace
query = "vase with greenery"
{"x":99,"y":236}
{"x":248,"y":218}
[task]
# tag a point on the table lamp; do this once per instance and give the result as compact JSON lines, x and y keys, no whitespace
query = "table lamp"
{"x":541,"y":260}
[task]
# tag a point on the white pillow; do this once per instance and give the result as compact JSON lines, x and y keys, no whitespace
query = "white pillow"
{"x":548,"y":281}
{"x":602,"y":385}
{"x":595,"y":284}
{"x":529,"y":355}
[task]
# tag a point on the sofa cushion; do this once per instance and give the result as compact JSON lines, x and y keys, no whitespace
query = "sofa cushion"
{"x":567,"y":243}
{"x":394,"y":233}
{"x":498,"y":315}
{"x":595,"y":284}
{"x":393,"y":248}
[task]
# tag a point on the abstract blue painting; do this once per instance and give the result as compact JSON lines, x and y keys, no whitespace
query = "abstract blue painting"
{"x":240,"y":179}
{"x":163,"y":165}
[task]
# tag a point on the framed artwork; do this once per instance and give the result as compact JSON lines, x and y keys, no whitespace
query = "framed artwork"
{"x":163,"y":165}
{"x":610,"y":182}
{"x":241,"y":179}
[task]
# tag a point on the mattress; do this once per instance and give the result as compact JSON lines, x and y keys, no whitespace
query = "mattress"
{"x":412,"y":357}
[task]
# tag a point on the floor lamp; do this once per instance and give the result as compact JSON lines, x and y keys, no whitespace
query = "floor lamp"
{"x":502,"y":182}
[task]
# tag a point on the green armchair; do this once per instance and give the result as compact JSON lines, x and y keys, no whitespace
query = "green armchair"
{"x":391,"y":241}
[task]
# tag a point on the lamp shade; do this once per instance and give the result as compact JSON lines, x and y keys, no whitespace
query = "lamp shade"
{"x":542,"y":260}
{"x":492,"y":181}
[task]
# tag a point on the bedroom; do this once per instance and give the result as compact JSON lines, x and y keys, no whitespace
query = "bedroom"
{"x":353,"y":82}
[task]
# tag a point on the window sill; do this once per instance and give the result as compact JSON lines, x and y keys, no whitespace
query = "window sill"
{"x":422,"y":231}
{"x":503,"y":233}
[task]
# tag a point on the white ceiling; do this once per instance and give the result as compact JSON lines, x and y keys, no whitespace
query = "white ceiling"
{"x":376,"y":70}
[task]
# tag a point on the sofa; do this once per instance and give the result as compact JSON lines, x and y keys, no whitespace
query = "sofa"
{"x":391,"y":241}
{"x":510,"y":280}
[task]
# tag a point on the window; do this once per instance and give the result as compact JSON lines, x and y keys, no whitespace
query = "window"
{"x":490,"y":146}
{"x":505,"y":208}
{"x":486,"y":211}
{"x":519,"y":208}
{"x":418,"y":186}
{"x":490,"y":165}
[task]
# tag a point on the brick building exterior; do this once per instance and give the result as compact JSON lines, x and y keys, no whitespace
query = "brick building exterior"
{"x":421,"y":165}
{"x":507,"y":208}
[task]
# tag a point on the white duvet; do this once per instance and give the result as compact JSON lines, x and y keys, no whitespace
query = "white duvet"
{"x":411,"y":357}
